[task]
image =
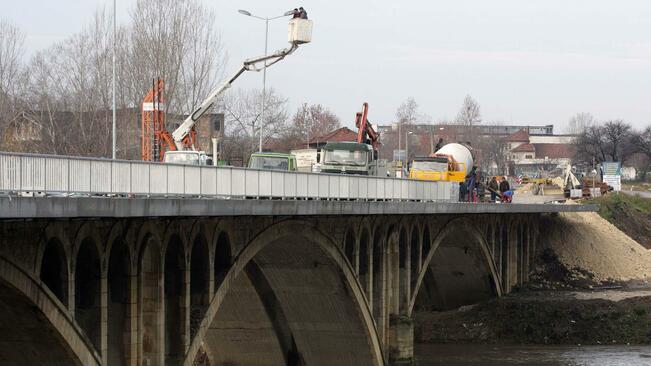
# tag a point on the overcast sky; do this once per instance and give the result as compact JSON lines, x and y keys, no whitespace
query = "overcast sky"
{"x":524,"y":61}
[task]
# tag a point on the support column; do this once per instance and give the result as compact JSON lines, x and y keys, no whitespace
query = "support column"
{"x":185,"y":308}
{"x":132,"y":319}
{"x":103,"y":311}
{"x":401,"y":334}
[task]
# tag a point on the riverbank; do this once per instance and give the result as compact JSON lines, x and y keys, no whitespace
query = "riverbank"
{"x":590,"y":286}
{"x":545,"y":317}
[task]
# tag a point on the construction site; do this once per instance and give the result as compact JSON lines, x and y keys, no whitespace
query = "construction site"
{"x":223,"y":231}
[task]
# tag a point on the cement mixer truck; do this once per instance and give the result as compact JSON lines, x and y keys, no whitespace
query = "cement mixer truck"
{"x":450,"y":163}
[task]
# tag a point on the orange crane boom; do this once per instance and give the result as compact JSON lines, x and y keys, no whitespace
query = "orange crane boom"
{"x":365,"y":132}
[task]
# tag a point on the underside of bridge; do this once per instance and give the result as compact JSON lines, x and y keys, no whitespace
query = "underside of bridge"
{"x":458,"y":272}
{"x":245,"y":291}
{"x":291,"y":305}
{"x":26,"y":335}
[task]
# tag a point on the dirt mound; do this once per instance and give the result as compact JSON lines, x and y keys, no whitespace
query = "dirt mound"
{"x":588,"y":245}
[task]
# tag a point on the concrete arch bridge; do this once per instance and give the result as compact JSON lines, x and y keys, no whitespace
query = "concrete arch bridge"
{"x":91,"y":281}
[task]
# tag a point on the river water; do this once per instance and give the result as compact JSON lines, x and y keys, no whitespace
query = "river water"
{"x":485,"y":355}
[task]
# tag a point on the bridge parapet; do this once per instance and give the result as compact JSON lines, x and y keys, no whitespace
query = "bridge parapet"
{"x":53,"y":174}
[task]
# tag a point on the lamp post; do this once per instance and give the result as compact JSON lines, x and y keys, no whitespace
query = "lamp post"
{"x":264,"y":71}
{"x":113,"y":79}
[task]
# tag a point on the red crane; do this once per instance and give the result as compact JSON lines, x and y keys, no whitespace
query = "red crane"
{"x":365,"y":132}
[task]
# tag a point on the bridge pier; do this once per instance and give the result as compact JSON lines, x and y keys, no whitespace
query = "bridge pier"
{"x":401,"y":348}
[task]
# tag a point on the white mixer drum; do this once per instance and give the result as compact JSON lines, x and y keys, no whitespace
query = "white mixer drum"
{"x":460,"y":154}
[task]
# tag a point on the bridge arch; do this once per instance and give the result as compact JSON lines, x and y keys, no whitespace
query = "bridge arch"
{"x":119,"y":314}
{"x":27,"y":312}
{"x":223,"y":249}
{"x":174,"y":286}
{"x":306,"y":272}
{"x":464,"y":266}
{"x":54,"y":270}
{"x":87,"y":264}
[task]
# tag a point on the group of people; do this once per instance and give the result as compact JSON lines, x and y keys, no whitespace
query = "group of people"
{"x":300,"y":13}
{"x":501,"y":185}
{"x":472,"y":188}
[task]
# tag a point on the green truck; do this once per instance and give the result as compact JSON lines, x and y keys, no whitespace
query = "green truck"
{"x":273,"y":161}
{"x":348,"y":158}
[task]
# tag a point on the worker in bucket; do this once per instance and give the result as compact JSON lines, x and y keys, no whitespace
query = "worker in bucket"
{"x":303,"y":13}
{"x":296,"y":14}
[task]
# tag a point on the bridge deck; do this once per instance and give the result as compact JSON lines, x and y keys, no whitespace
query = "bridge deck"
{"x":60,"y":207}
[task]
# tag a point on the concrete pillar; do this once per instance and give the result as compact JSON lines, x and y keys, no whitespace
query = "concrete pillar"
{"x":406,"y":281}
{"x":185,"y":308}
{"x":211,"y":274}
{"x":401,"y":347}
{"x":103,"y":301}
{"x":71,"y":291}
{"x":394,"y":265}
{"x":512,"y":277}
{"x":356,"y":256}
{"x":132,"y":319}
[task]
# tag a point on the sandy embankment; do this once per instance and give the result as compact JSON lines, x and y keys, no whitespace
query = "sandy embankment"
{"x":588,"y":242}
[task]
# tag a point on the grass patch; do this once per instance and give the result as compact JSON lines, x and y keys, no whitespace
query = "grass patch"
{"x":630,"y":214}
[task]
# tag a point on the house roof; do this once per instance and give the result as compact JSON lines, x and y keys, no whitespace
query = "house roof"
{"x":520,"y":136}
{"x":524,"y":148}
{"x":339,"y":135}
{"x":554,"y":151}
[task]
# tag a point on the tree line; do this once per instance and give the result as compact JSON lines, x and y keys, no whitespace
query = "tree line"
{"x":611,"y":140}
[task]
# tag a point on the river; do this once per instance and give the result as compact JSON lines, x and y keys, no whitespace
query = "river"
{"x":488,"y":355}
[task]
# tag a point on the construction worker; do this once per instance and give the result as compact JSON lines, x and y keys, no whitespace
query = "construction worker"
{"x":471,"y":180}
{"x":296,"y":14}
{"x":494,"y":187}
{"x":303,"y":13}
{"x":504,"y":188}
{"x":439,"y":145}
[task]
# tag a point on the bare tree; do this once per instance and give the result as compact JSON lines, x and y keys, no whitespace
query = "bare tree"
{"x":494,"y":151}
{"x":579,"y":122}
{"x":469,"y":114}
{"x":642,"y":141}
{"x":177,"y":41}
{"x":407,"y":112}
{"x":12,"y":42}
{"x":618,"y":135}
{"x":242,"y":120}
{"x":610,"y":141}
{"x":310,"y":121}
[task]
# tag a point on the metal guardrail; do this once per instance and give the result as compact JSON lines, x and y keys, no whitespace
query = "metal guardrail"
{"x":53,"y":174}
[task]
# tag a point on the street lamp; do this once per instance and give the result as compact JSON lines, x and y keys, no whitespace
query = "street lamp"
{"x":264,"y":71}
{"x":113,"y":128}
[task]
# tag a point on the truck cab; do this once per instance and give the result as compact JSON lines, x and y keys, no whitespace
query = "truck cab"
{"x":187,"y":157}
{"x":429,"y":168}
{"x":348,"y":158}
{"x":273,"y":161}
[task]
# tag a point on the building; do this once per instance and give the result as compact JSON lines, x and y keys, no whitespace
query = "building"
{"x":505,"y":130}
{"x":343,"y":134}
{"x":531,"y":155}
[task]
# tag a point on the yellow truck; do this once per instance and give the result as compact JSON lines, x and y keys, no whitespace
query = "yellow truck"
{"x":451,"y":163}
